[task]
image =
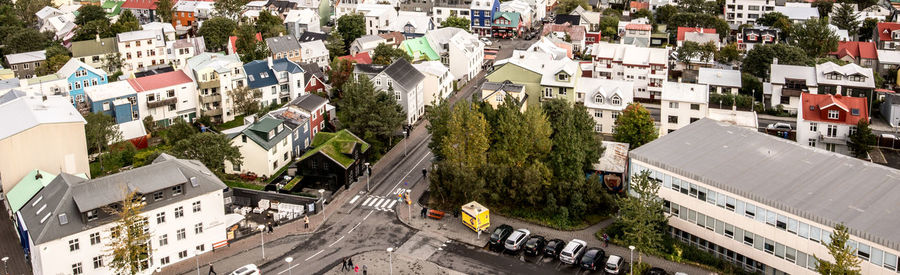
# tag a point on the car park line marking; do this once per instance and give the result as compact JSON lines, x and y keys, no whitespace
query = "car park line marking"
{"x":317,"y":253}
{"x":354,"y":199}
{"x":391,"y":206}
{"x":335,"y":242}
{"x":407,"y":173}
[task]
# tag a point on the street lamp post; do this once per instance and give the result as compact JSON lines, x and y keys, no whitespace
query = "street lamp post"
{"x":405,"y":141}
{"x":368,"y":175}
{"x":322,"y":195}
{"x":262,"y":239}
{"x":197,"y":260}
{"x":289,"y":260}
{"x":391,"y":259}
{"x":5,"y":265}
{"x":631,"y":260}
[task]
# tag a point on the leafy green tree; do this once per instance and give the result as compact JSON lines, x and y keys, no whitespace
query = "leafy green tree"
{"x":209,"y":148}
{"x":518,"y":143}
{"x":863,"y":4}
{"x":335,"y":45}
{"x":687,"y":52}
{"x":642,"y":215}
{"x":245,"y":99}
{"x":750,"y":85}
{"x":178,"y":131}
{"x":164,"y":10}
{"x":698,"y":6}
{"x":372,"y":114}
{"x":768,"y":19}
{"x":216,"y":31}
{"x":728,"y":54}
{"x":351,"y":27}
{"x":575,"y":144}
{"x":464,"y":148}
{"x":92,"y":29}
{"x":867,"y":29}
{"x":664,"y":13}
{"x":635,"y":126}
{"x":249,"y":48}
{"x":113,"y":62}
{"x":824,"y":6}
{"x":270,"y":25}
{"x":456,"y":22}
{"x":53,"y":64}
{"x":437,"y":119}
{"x":341,"y":71}
{"x":26,"y":40}
{"x":814,"y":37}
{"x":230,"y":9}
{"x":609,"y":26}
{"x":88,"y":13}
{"x":26,"y":9}
{"x":846,"y":18}
{"x":643,"y":13}
{"x":862,"y":140}
{"x":701,"y":20}
{"x":130,"y":245}
{"x":126,"y":23}
{"x":845,"y":259}
{"x":100,"y":131}
{"x":567,"y":6}
{"x":758,"y":60}
{"x":385,"y":55}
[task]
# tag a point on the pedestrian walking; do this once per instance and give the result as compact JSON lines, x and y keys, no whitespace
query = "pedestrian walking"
{"x":211,"y":271}
{"x":365,"y":269}
{"x":424,"y":212}
{"x":306,"y":221}
{"x":605,"y":240}
{"x":271,"y":228}
{"x":343,"y":264}
{"x":424,"y":173}
{"x":349,"y":263}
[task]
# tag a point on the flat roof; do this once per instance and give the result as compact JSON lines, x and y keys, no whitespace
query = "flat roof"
{"x":812,"y":183}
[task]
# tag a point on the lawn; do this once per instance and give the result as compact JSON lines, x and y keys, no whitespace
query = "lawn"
{"x":238,"y":121}
{"x":242,"y":184}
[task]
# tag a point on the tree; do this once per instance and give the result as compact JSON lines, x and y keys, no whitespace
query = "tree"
{"x":867,"y":29}
{"x":341,"y":71}
{"x":456,"y":22}
{"x":178,"y":131}
{"x":100,"y":131}
{"x":815,"y":37}
{"x":216,"y":31}
{"x":758,"y":60}
{"x":25,"y":40}
{"x":641,"y":215}
{"x":845,"y":259}
{"x":93,"y":29}
{"x":113,"y":61}
{"x":698,"y":6}
{"x":846,"y":18}
{"x":645,"y":13}
{"x":768,"y":19}
{"x":52,"y":65}
{"x":270,"y":25}
{"x":245,"y":99}
{"x":437,"y":119}
{"x":609,"y":26}
{"x":351,"y":27}
{"x":575,"y":144}
{"x":635,"y":126}
{"x":249,"y":48}
{"x":88,"y":13}
{"x":385,"y":55}
{"x":164,"y":10}
{"x":567,"y":6}
{"x":728,"y":54}
{"x":26,"y":9}
{"x":126,"y":23}
{"x":687,"y":52}
{"x":464,"y":148}
{"x":824,"y":6}
{"x":862,"y":140}
{"x":335,"y":45}
{"x":701,"y":20}
{"x":373,"y":114}
{"x":130,"y":244}
{"x":230,"y":9}
{"x":750,"y":85}
{"x":664,"y":13}
{"x":864,"y":4}
{"x":209,"y":148}
{"x":519,"y":141}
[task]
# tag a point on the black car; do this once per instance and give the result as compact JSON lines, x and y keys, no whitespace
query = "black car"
{"x":593,"y":258}
{"x":535,"y":245}
{"x":553,"y":248}
{"x":655,"y":271}
{"x":499,"y":236}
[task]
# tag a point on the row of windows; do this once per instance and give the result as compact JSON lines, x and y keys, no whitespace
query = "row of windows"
{"x":179,"y":211}
{"x":77,"y":85}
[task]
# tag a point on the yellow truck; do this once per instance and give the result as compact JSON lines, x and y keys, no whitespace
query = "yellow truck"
{"x":476,"y":216}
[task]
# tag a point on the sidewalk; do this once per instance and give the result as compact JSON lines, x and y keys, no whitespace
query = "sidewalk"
{"x":379,"y":262}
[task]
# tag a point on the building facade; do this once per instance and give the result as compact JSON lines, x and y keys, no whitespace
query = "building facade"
{"x":682,"y":104}
{"x":166,"y":97}
{"x":216,"y":75}
{"x":141,"y":49}
{"x":646,"y":67}
{"x":826,"y":121}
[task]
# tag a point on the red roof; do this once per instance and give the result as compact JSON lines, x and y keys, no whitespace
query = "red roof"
{"x":140,"y":4}
{"x":856,"y":49}
{"x":683,"y":30}
{"x":821,"y":103}
{"x":153,"y":82}
{"x":638,"y":27}
{"x":885,"y":29}
{"x":359,"y":58}
{"x":232,"y":40}
{"x":640,"y":5}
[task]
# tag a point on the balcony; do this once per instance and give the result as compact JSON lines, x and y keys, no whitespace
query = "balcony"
{"x":160,"y":103}
{"x":793,"y":92}
{"x":210,"y":98}
{"x":208,"y":84}
{"x":213,"y":112}
{"x":842,"y":140}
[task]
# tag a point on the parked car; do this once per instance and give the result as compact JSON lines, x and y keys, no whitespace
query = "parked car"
{"x":592,"y":256}
{"x":500,"y":234}
{"x":487,"y":42}
{"x":780,"y":126}
{"x":655,"y":271}
{"x":516,"y":240}
{"x":553,"y":248}
{"x":572,"y":252}
{"x":535,"y":245}
{"x":614,"y":264}
{"x":249,"y":269}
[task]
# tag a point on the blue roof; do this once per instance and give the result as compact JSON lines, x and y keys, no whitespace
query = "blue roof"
{"x":259,"y":75}
{"x":282,"y":65}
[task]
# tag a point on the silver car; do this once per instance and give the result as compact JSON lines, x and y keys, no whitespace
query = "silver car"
{"x":516,"y":240}
{"x":572,"y":252}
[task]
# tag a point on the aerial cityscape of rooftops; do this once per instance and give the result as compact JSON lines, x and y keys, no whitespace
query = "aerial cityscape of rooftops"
{"x":626,"y":137}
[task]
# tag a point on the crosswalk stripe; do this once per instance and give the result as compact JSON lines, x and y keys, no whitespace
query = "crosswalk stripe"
{"x":391,"y":206}
{"x":354,"y":199}
{"x":376,"y":203}
{"x":386,"y":202}
{"x":367,"y":201}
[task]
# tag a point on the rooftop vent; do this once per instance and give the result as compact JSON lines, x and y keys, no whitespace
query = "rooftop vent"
{"x":63,"y":219}
{"x":194,"y":182}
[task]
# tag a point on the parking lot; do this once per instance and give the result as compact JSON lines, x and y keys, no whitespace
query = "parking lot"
{"x":480,"y":260}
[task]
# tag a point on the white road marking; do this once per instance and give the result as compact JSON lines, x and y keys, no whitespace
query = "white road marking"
{"x":367,"y":201}
{"x":354,"y":199}
{"x":367,"y":215}
{"x":354,"y":227}
{"x":335,"y":242}
{"x":391,"y":206}
{"x":289,"y":268}
{"x":407,"y":173}
{"x":317,"y":253}
{"x":386,"y":202}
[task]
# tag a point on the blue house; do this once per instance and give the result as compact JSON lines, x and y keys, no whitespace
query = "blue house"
{"x":117,"y":99}
{"x":297,"y":121}
{"x":482,"y":15}
{"x":278,"y":81}
{"x":79,"y":76}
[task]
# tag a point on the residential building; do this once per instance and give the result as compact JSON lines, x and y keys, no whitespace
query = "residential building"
{"x":314,"y":52}
{"x":297,"y":122}
{"x":46,"y":134}
{"x":141,"y":49}
{"x":216,"y":75}
{"x":299,"y":21}
{"x":605,"y":100}
{"x":637,"y":34}
{"x":180,"y":50}
{"x":444,"y":9}
{"x":739,"y":12}
{"x":94,"y":52}
{"x":524,"y":9}
{"x":682,"y":104}
{"x":438,"y":81}
{"x":315,"y":79}
{"x":144,"y":10}
{"x":827,"y":120}
{"x":798,"y":12}
{"x":316,"y":108}
{"x":572,"y":19}
{"x":766,"y":204}
{"x":555,"y":47}
{"x":68,"y":232}
{"x":342,"y":7}
{"x":419,"y":49}
{"x":647,"y":67}
{"x":266,"y":146}
{"x":416,"y":5}
{"x":166,"y":28}
{"x":890,"y":109}
{"x":284,"y":47}
{"x":887,"y":60}
{"x":60,"y":23}
{"x":699,"y":35}
{"x":496,"y":94}
{"x":336,"y":160}
{"x":278,"y":81}
{"x":166,"y":97}
{"x":25,"y":65}
{"x":887,"y":36}
{"x":378,"y":16}
{"x":506,"y":25}
{"x":409,"y":89}
{"x":50,"y":84}
{"x":459,"y":50}
{"x":720,"y":81}
{"x":411,"y":24}
{"x":483,"y":12}
{"x":850,"y":79}
{"x":544,"y":77}
{"x":576,"y":34}
{"x":393,"y":39}
{"x":116,"y":99}
{"x":366,"y":43}
{"x":591,"y":22}
{"x":24,"y":190}
{"x":786,"y":83}
{"x":750,"y":37}
{"x":80,"y":76}
{"x":360,"y":58}
{"x":281,"y":7}
{"x":188,"y":14}
{"x":856,"y":52}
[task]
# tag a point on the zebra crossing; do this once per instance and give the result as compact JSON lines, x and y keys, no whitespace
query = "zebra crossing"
{"x":383,"y":203}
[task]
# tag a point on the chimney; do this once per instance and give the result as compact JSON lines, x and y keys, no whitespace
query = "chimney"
{"x":38,"y":175}
{"x":269,"y":61}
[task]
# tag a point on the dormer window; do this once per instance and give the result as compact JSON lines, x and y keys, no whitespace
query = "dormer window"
{"x":616,"y":100}
{"x":271,"y":134}
{"x":857,"y":78}
{"x":752,"y":37}
{"x":92,"y":215}
{"x":854,"y":112}
{"x":833,"y":76}
{"x":598,"y":99}
{"x":833,"y":114}
{"x":562,"y":77}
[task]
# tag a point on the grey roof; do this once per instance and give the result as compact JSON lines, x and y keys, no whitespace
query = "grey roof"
{"x":282,"y":44}
{"x":20,"y":112}
{"x":505,"y":86}
{"x":93,"y":47}
{"x":310,"y":36}
{"x":72,"y":195}
{"x":9,"y":84}
{"x":310,"y":70}
{"x":816,"y":184}
{"x":369,"y":69}
{"x":404,"y":74}
{"x":19,"y":58}
{"x":285,"y":65}
{"x":309,"y":102}
{"x":720,"y":77}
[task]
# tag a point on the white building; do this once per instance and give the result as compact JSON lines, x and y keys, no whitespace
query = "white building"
{"x":443,"y":9}
{"x":847,"y":79}
{"x":266,"y":146}
{"x":216,"y":75}
{"x":167,"y":29}
{"x":786,"y":84}
{"x":302,"y":20}
{"x":412,"y":24}
{"x":720,"y":81}
{"x":682,"y":104}
{"x":403,"y":81}
{"x":366,"y":43}
{"x":314,"y":52}
{"x":646,"y":67}
{"x":525,"y":11}
{"x":438,"y":81}
{"x":739,"y":12}
{"x":141,"y":49}
{"x":825,"y":121}
{"x":798,"y":12}
{"x":180,"y":50}
{"x":69,"y":232}
{"x":166,"y":97}
{"x":605,"y":100}
{"x":378,"y":16}
{"x":460,"y":50}
{"x":767,"y":204}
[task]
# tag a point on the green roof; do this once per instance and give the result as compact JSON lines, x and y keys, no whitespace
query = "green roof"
{"x":513,"y":18}
{"x":91,"y":47}
{"x":419,"y":48}
{"x":259,"y":132}
{"x":45,"y":78}
{"x":114,"y":6}
{"x":336,"y":146}
{"x":19,"y":195}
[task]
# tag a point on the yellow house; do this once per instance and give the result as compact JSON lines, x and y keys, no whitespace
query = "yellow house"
{"x":495,"y":93}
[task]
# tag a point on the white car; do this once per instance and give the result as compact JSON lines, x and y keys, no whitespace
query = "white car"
{"x":516,"y":240}
{"x":249,"y":269}
{"x":614,"y":264}
{"x":572,"y":252}
{"x":487,"y":42}
{"x":780,"y":126}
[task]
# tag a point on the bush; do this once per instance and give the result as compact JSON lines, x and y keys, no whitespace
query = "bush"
{"x":741,"y":101}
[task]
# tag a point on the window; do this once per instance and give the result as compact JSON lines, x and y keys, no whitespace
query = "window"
{"x":598,"y":114}
{"x":198,"y":228}
{"x":73,"y":245}
{"x":183,"y":254}
{"x":812,"y":142}
{"x":852,"y":130}
{"x":673,"y":105}
{"x":397,"y":95}
{"x":562,"y":77}
{"x":176,"y":190}
{"x":695,"y":106}
{"x":160,"y":217}
{"x":170,"y":93}
{"x":813,"y":127}
{"x":179,"y":212}
{"x":833,"y":114}
{"x":616,"y":100}
{"x":98,"y":262}
{"x":92,"y":215}
{"x":598,"y":128}
{"x":673,"y":119}
{"x":95,"y":238}
{"x":769,"y":246}
{"x":831,"y":131}
{"x":864,"y":251}
{"x":76,"y":269}
{"x":164,"y":261}
{"x":815,"y":234}
{"x":157,"y":195}
{"x":598,"y":99}
{"x":196,"y":206}
{"x":200,"y":248}
{"x":180,"y":234}
{"x":163,"y":240}
{"x":548,"y":92}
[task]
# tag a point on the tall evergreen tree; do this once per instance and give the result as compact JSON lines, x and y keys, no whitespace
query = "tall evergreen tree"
{"x":862,"y":140}
{"x":372,"y":114}
{"x":437,"y":126}
{"x":270,"y":25}
{"x":130,"y":244}
{"x":230,"y":9}
{"x":845,"y":259}
{"x":456,"y":179}
{"x":126,"y":23}
{"x":845,"y":18}
{"x":335,"y":45}
{"x":351,"y":27}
